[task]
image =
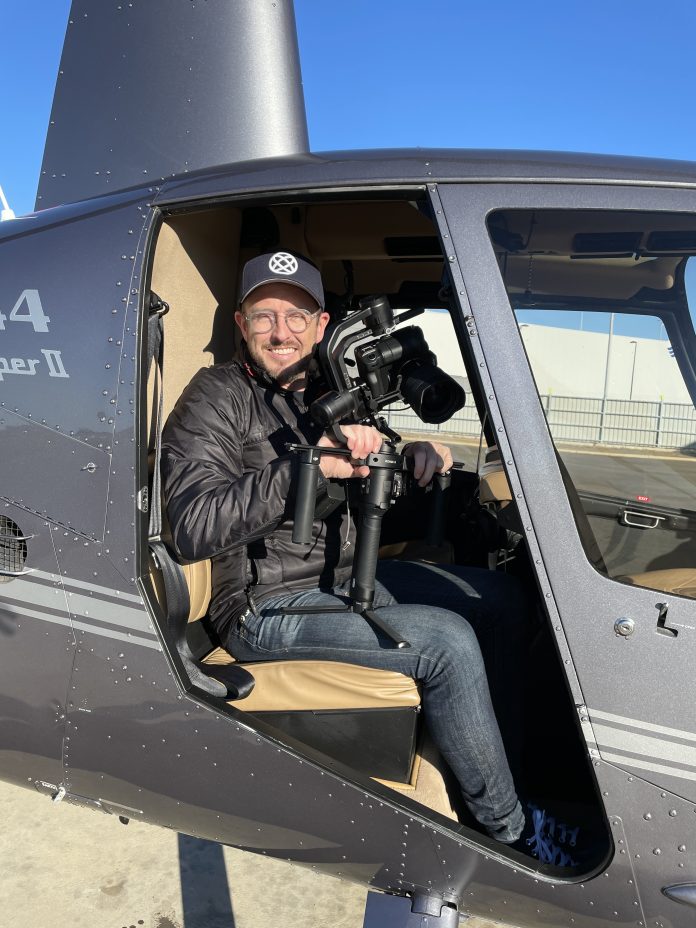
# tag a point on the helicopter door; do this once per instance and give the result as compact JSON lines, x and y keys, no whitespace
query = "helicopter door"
{"x":611,"y":541}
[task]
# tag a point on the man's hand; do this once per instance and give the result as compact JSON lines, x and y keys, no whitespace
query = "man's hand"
{"x":429,"y":457}
{"x":361,"y":440}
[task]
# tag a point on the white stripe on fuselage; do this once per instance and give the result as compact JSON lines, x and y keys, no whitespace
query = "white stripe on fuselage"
{"x":30,"y":597}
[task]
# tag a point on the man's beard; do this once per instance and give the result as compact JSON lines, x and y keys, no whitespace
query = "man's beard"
{"x":290,"y":374}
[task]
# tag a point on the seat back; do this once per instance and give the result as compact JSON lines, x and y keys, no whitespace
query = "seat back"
{"x":195,"y":272}
{"x":493,"y":484}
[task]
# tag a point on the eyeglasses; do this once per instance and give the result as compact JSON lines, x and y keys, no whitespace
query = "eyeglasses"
{"x":297,"y":321}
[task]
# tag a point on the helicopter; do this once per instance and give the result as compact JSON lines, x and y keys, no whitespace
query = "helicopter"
{"x":155,"y":189}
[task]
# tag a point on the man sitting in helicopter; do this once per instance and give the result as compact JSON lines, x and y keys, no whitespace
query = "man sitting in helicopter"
{"x":230,"y":486}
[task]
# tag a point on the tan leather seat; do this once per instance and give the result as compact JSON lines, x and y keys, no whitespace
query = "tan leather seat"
{"x":493,"y":486}
{"x":495,"y":496}
{"x":302,"y":685}
{"x":194,"y":271}
{"x":681,"y":581}
{"x":494,"y":489}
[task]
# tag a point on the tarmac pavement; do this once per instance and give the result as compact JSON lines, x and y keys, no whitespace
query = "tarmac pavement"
{"x":69,"y":867}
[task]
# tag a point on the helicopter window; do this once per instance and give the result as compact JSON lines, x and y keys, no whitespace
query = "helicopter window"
{"x":604,"y":304}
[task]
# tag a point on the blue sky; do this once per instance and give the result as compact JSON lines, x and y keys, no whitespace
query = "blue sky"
{"x":606,"y":76}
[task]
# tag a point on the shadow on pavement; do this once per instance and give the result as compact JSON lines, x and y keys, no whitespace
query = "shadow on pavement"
{"x":205,"y":892}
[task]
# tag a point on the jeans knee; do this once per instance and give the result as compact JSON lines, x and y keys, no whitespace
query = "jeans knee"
{"x":454,"y":638}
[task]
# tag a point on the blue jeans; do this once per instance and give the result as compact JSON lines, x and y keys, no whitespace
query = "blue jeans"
{"x":445,"y":657}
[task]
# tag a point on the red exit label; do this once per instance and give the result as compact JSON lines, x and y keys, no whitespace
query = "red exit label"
{"x":643,"y":499}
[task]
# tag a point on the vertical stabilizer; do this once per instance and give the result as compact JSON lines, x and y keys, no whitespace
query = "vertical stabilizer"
{"x":150,"y":88}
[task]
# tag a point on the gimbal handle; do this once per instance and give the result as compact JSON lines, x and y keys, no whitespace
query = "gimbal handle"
{"x":377,"y":496}
{"x":308,"y":478}
{"x":383,"y":465}
{"x":307,"y":481}
{"x":438,"y":499}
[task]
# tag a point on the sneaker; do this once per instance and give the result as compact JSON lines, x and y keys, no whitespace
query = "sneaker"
{"x":546,"y":839}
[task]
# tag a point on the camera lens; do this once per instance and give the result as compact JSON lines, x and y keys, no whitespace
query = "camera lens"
{"x":433,"y":394}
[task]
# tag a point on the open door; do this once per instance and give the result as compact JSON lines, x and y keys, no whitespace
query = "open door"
{"x":580,"y":292}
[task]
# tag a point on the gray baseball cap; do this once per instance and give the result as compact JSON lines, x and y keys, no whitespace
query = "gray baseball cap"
{"x":281,"y":267}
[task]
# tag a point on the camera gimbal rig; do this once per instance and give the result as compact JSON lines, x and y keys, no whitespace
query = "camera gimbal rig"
{"x":389,"y":366}
{"x":389,"y":478}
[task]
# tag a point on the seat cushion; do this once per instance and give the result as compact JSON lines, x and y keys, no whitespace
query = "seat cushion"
{"x":494,"y":486}
{"x":679,"y":580}
{"x":300,"y":685}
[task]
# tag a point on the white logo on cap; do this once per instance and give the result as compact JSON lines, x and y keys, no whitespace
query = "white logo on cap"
{"x":283,"y":263}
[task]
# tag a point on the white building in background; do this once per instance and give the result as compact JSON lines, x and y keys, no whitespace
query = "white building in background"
{"x":571,"y":362}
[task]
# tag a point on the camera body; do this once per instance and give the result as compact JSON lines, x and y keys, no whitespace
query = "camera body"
{"x":388,"y":366}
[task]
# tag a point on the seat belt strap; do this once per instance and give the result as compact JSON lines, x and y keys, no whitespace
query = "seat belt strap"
{"x":155,"y":352}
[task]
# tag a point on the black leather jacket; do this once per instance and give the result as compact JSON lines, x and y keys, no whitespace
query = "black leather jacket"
{"x":229,"y":488}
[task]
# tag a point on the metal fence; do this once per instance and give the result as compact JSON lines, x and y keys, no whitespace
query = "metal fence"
{"x":465,"y":422}
{"x":585,"y":419}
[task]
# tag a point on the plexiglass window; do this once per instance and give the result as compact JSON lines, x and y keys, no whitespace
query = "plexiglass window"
{"x":604,"y":303}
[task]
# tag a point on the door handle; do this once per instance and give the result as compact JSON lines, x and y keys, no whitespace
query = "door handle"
{"x":662,"y":627}
{"x":650,"y":521}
